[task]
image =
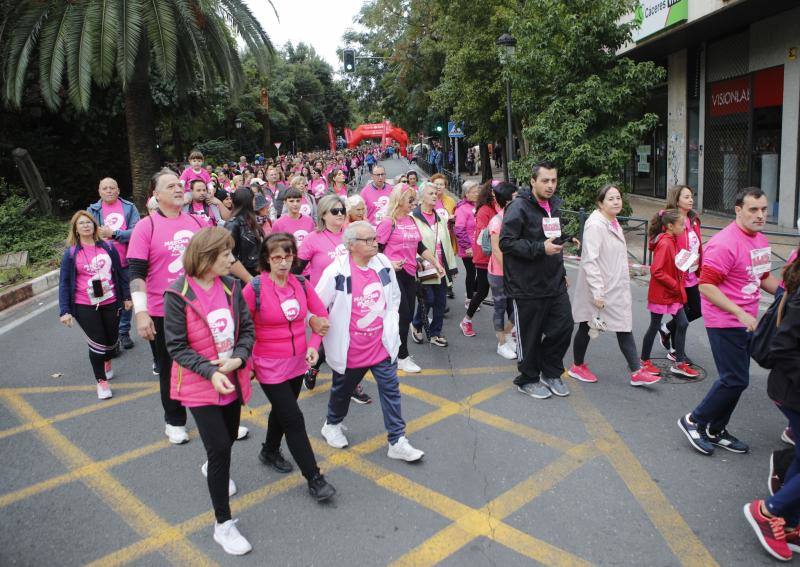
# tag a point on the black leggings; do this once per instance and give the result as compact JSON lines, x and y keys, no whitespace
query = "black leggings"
{"x":692,"y":308}
{"x":218,"y":427}
{"x":626,"y":344}
{"x":285,"y":418}
{"x":469,"y":279}
{"x":481,"y":290}
{"x":678,"y":339}
{"x":101,"y":326}
{"x":408,"y":296}
{"x":174,"y":412}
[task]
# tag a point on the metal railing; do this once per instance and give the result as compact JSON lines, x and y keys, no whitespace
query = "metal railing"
{"x":630,"y":225}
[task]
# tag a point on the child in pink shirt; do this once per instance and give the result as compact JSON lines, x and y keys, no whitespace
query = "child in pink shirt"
{"x":294,"y":222}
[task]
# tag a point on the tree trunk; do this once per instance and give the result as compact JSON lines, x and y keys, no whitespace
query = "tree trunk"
{"x":141,"y":127}
{"x":486,"y":164}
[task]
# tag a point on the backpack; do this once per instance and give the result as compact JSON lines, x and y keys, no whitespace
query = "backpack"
{"x":485,"y":239}
{"x":256,"y":285}
{"x":765,"y":331}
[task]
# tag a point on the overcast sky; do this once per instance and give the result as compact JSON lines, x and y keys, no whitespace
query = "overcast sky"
{"x":320,"y":23}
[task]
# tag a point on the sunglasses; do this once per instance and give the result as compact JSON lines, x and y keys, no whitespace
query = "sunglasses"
{"x":337,"y":211}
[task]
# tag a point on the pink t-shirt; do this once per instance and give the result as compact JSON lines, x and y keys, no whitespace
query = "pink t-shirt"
{"x":190,"y":175}
{"x":376,"y":200}
{"x":693,"y":245}
{"x":441,"y":210}
{"x":161,"y":241}
{"x":545,"y":204}
{"x":305,"y":206}
{"x":91,"y":262}
{"x":744,"y":259}
{"x":494,"y":227}
{"x":114,"y":218}
{"x":318,"y":187}
{"x":792,"y":257}
{"x":401,"y":242}
{"x":299,"y":228}
{"x":199,"y":211}
{"x":431,"y":218}
{"x":366,"y":318}
{"x":220,"y":320}
{"x":319,"y":249}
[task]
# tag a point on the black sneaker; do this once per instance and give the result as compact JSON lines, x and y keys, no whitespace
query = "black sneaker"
{"x":450,"y":293}
{"x":359,"y":396}
{"x":117,"y":350}
{"x":319,"y":488}
{"x":275,"y":460}
{"x":695,"y":435}
{"x":666,"y":339}
{"x":156,"y":368}
{"x":310,"y":379}
{"x":779,"y":463}
{"x":489,"y":302}
{"x":125,"y":341}
{"x":416,"y":335}
{"x":727,"y":441}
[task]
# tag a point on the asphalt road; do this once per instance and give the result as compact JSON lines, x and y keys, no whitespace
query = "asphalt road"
{"x":601,"y":477}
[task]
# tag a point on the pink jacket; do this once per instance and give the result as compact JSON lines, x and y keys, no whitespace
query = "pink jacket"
{"x":189,"y":339}
{"x":465,"y":226}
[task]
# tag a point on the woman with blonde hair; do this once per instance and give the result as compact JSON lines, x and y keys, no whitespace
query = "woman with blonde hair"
{"x":93,"y":288}
{"x":356,"y":209}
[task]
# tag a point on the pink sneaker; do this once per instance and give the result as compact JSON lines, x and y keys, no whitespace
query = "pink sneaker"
{"x":643,"y":378}
{"x":582,"y":373}
{"x":650,"y":367}
{"x":466,"y":328}
{"x":108,"y":370}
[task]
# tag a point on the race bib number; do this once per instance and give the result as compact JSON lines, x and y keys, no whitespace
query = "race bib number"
{"x":685,"y":260}
{"x":551,"y":227}
{"x":761,"y":261}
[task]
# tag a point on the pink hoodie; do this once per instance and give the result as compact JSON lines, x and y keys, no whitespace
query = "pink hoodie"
{"x":465,"y":226}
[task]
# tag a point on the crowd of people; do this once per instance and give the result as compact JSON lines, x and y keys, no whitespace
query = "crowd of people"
{"x":267,"y":271}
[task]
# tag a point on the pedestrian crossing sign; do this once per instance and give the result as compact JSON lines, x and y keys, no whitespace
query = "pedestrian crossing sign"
{"x":455,"y":130}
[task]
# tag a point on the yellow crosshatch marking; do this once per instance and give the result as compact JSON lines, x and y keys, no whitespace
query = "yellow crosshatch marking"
{"x":467,"y":523}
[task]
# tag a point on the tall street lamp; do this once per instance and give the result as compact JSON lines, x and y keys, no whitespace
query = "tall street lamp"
{"x":507,"y":45}
{"x":238,"y":124}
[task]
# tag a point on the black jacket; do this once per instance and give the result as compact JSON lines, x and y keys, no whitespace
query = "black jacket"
{"x":783,"y":385}
{"x":246,"y":244}
{"x":528,"y":272}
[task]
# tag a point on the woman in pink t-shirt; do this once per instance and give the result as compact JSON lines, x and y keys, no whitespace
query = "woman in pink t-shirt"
{"x":400,"y":240}
{"x":503,"y":317}
{"x":294,"y":222}
{"x":337,"y":182}
{"x":279,"y":303}
{"x":209,"y":336}
{"x":93,"y":288}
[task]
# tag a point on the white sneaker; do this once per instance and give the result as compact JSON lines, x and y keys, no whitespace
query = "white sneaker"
{"x":403,"y":451}
{"x":242,"y":433}
{"x":176,"y":433}
{"x":108,"y":370}
{"x":231,"y":484}
{"x":506,"y":351}
{"x":408,"y":365}
{"x":334,"y":436}
{"x":228,"y":536}
{"x":511,"y":342}
{"x":103,"y":390}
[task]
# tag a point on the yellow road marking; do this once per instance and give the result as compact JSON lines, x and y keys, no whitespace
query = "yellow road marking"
{"x":122,"y":501}
{"x":25,"y":390}
{"x":97,"y":406}
{"x":680,"y":538}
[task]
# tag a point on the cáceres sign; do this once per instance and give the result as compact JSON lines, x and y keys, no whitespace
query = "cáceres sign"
{"x":652,"y":16}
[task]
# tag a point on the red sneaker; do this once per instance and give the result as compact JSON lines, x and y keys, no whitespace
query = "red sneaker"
{"x":582,"y":373}
{"x":643,"y":378}
{"x":769,"y":531}
{"x":650,"y":367}
{"x":793,"y":539}
{"x":684,"y":369}
{"x":466,"y":328}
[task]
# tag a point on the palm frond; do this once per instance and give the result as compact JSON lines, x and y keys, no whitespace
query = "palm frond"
{"x":84,"y":19}
{"x":106,"y":38}
{"x":130,"y":34}
{"x":192,"y":41}
{"x":53,"y":53}
{"x":162,"y":33}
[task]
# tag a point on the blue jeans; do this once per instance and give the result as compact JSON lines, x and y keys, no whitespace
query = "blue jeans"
{"x":385,"y":373}
{"x":786,"y":502}
{"x":731,"y":350}
{"x":125,"y":315}
{"x":436,"y":298}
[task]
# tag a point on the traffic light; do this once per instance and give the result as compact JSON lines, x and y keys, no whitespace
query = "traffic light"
{"x":349,"y":56}
{"x":439,"y":128}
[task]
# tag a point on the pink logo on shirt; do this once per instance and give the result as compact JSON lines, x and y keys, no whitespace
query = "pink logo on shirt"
{"x":291,"y":309}
{"x":221,"y":324}
{"x":372,"y":301}
{"x":177,"y":246}
{"x":114,"y":221}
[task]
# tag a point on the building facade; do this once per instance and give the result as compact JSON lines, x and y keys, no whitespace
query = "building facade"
{"x":730,"y":107}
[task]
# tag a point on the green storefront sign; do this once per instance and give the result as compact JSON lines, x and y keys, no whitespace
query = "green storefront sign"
{"x":654,"y":16}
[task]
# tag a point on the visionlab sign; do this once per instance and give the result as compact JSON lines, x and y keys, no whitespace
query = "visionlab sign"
{"x":656,"y":15}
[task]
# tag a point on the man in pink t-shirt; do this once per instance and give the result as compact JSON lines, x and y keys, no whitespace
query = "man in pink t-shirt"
{"x":294,"y":222}
{"x":376,"y":195}
{"x":155,"y":256}
{"x":736,"y":267}
{"x":362,"y":296}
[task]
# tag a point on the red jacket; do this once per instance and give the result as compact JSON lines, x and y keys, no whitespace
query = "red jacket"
{"x":683,"y":241}
{"x":666,"y":280}
{"x":482,"y":218}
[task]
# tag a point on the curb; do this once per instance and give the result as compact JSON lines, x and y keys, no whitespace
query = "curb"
{"x":27,"y":290}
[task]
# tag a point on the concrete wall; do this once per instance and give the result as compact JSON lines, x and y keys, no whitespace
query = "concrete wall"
{"x":676,"y":119}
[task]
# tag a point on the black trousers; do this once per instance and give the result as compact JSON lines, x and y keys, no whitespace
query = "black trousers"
{"x":174,"y":412}
{"x":218,"y":427}
{"x":101,"y":326}
{"x":408,"y":296}
{"x":481,"y":290}
{"x":692,"y":308}
{"x":469,"y":278}
{"x":544,"y":330}
{"x":286,"y":419}
{"x":625,"y":340}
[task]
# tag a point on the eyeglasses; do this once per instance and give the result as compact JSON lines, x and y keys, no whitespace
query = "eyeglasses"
{"x":281,"y":259}
{"x":368,"y":241}
{"x":337,"y":211}
{"x":379,"y":174}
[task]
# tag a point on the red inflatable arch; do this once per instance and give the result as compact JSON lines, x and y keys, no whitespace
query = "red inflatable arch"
{"x":382,"y":130}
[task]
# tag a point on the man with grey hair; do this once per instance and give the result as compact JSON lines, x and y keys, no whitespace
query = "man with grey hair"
{"x":116,"y":218}
{"x":360,"y":291}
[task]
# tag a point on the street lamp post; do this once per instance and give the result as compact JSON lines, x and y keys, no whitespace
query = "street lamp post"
{"x":508,"y":46}
{"x":238,"y":124}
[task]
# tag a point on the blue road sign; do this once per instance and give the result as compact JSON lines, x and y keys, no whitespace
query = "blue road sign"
{"x":455,"y":130}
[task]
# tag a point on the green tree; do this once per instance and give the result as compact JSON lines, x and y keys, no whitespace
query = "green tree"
{"x":579,"y":102}
{"x":82,"y":42}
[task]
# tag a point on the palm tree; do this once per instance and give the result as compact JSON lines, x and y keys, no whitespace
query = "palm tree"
{"x":188,"y":42}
